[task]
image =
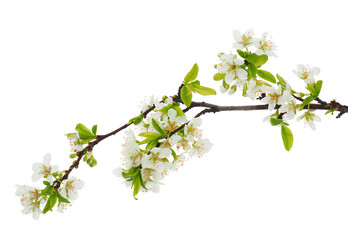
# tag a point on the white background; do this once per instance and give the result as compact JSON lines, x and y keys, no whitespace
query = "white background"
{"x":65,"y":62}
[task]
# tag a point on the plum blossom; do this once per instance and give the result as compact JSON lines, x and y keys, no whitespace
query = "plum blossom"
{"x":44,"y":169}
{"x":306,"y":73}
{"x":29,"y":197}
{"x":230,"y":65}
{"x":70,"y":188}
{"x":265,"y":46}
{"x":243,"y":40}
{"x":309,"y":118}
{"x":200,"y":147}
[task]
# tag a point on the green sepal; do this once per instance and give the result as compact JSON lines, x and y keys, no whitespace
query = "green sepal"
{"x":84,"y":132}
{"x":288,"y":138}
{"x":219,"y":76}
{"x":266,"y":75}
{"x":186,"y":96}
{"x":192,"y":74}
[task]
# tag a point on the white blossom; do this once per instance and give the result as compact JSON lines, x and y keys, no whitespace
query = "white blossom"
{"x":243,"y":40}
{"x":289,"y":109}
{"x":29,"y":197}
{"x":306,"y":73}
{"x":70,"y":188}
{"x":265,"y":46}
{"x":75,"y":147}
{"x":309,"y":118}
{"x":191,"y":129}
{"x":230,"y":65}
{"x":44,"y":169}
{"x":200,"y":147}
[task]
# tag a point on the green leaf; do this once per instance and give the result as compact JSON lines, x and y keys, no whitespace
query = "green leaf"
{"x":266,"y":75}
{"x":288,"y":138}
{"x":317,"y":87}
{"x":72,"y":156}
{"x":136,"y":120}
{"x":94,"y":129}
{"x":252,"y":70}
{"x":136,"y":183}
{"x":52,"y":200}
{"x":311,"y":89}
{"x":258,"y":60}
{"x":62,"y":199}
{"x":308,"y":100}
{"x":192,"y":74}
{"x":46,"y":183}
{"x":186,"y":96}
{"x":157,"y":127}
{"x":142,"y":181}
{"x":150,"y":138}
{"x":205,"y":91}
{"x":179,"y":111}
{"x":219,"y":76}
{"x":148,"y":134}
{"x":281,"y":80}
{"x":84,"y":132}
{"x":242,"y":54}
{"x":276,"y":121}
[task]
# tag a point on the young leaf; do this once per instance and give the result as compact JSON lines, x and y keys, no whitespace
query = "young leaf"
{"x":219,"y":76}
{"x":317,"y":87}
{"x":84,"y":132}
{"x":186,"y":96}
{"x":276,"y":121}
{"x":136,"y":183}
{"x":192,"y":74}
{"x":62,"y":199}
{"x":157,"y":127}
{"x":94,"y":129}
{"x":266,"y":75}
{"x":307,"y":100}
{"x":205,"y":91}
{"x":258,"y":60}
{"x":288,"y":138}
{"x":252,"y":70}
{"x":151,"y":138}
{"x":136,"y":120}
{"x":242,"y":54}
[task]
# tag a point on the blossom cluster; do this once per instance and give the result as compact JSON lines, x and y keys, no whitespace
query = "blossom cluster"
{"x":242,"y":70}
{"x":41,"y":200}
{"x":165,"y":140}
